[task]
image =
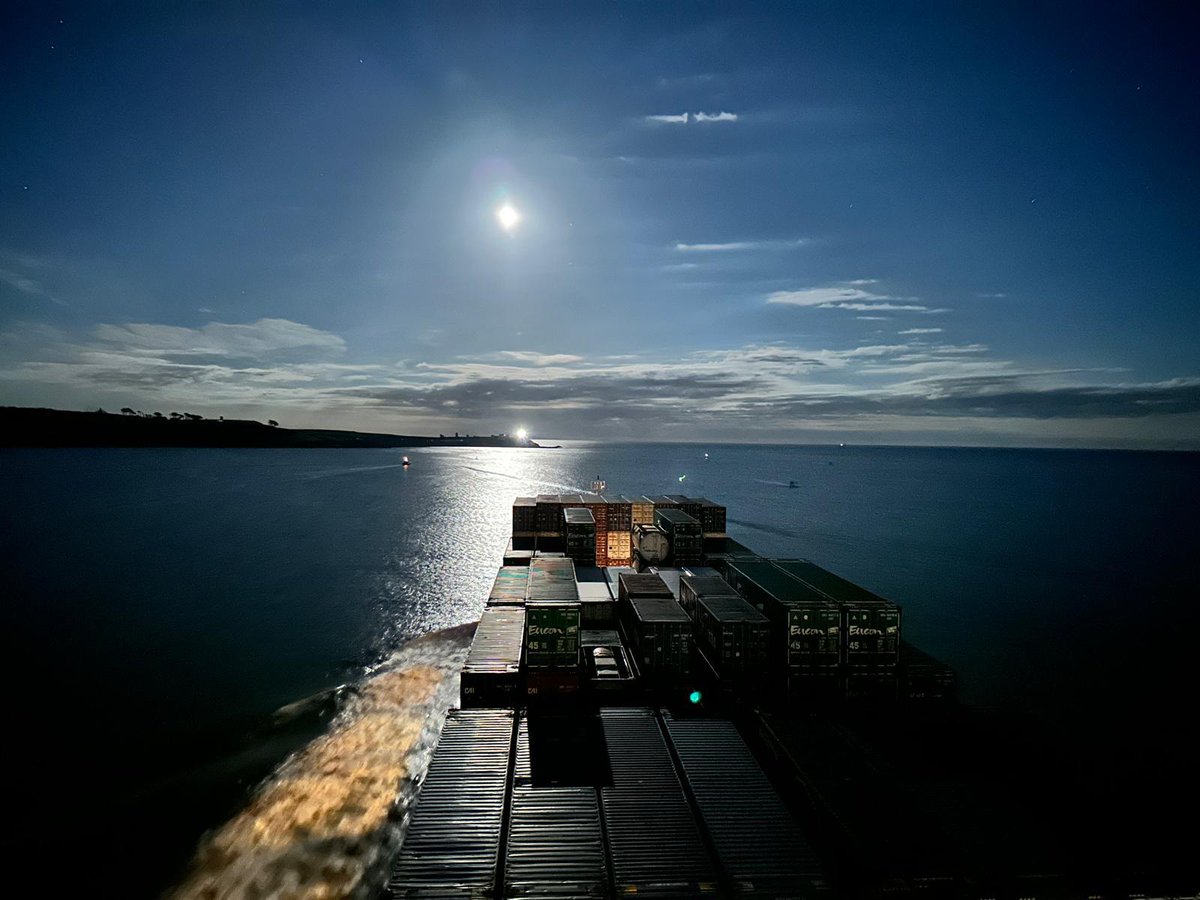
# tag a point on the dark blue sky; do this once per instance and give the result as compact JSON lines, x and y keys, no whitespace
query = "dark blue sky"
{"x":918,"y":223}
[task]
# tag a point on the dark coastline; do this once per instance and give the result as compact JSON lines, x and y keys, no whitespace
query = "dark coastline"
{"x":35,"y":427}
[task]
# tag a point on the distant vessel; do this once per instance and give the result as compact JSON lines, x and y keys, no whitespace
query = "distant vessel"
{"x":792,"y":484}
{"x":405,"y":462}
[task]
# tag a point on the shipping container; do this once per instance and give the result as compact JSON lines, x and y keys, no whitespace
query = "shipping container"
{"x":631,"y":585}
{"x":665,"y":502}
{"x":641,"y":511}
{"x":596,"y":602}
{"x":619,"y":546}
{"x":654,"y":840}
{"x":712,"y":518}
{"x":870,"y":624}
{"x":452,"y":847}
{"x":599,"y":637}
{"x":552,"y":578}
{"x":693,"y":586}
{"x":684,"y":537}
{"x":620,"y":513}
{"x":524,"y":516}
{"x":734,"y":636}
{"x":491,"y":675}
{"x":661,"y":636}
{"x":924,"y":678}
{"x":579,"y":535}
{"x":650,"y":544}
{"x":552,"y":635}
{"x":547,"y":513}
{"x":555,"y":845}
{"x":760,"y":848}
{"x":510,"y":587}
{"x":546,"y":686}
{"x":689,"y":505}
{"x":806,"y":625}
{"x":719,"y":552}
{"x":517,"y":557}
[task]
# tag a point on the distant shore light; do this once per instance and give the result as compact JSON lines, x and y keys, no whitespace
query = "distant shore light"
{"x":508,"y":217}
{"x":522,"y":434}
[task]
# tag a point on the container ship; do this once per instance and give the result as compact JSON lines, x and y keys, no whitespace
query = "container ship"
{"x":651,"y":708}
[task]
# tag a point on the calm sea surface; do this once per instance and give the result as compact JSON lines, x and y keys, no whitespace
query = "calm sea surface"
{"x":161,"y":605}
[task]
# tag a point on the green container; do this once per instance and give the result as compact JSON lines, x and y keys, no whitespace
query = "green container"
{"x":552,"y":635}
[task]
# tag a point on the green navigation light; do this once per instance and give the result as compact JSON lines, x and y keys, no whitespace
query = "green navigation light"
{"x":695,"y":696}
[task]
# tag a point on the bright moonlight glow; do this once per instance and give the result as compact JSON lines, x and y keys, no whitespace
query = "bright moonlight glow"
{"x":522,"y":434}
{"x":508,"y":217}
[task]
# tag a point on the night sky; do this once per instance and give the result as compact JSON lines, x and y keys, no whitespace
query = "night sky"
{"x":915,"y":223}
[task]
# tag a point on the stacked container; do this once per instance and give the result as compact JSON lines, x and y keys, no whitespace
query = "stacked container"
{"x":733,"y":635}
{"x":684,"y":536}
{"x":806,"y":624}
{"x":596,"y":605}
{"x":491,"y":675}
{"x":524,"y":517}
{"x":620,"y":524}
{"x":871,"y":624}
{"x":693,"y":587}
{"x":661,"y":634}
{"x":641,"y":512}
{"x":634,"y":586}
{"x":552,"y":617}
{"x":510,"y":586}
{"x":547,"y":513}
{"x":598,"y":507}
{"x":579,"y":535}
{"x":712,"y":518}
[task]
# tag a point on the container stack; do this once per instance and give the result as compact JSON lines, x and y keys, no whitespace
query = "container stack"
{"x":734,"y":637}
{"x":620,"y":524}
{"x":524,"y":517}
{"x":579,"y":535}
{"x":661,"y":634}
{"x":596,"y":505}
{"x":547,"y":514}
{"x":510,"y":587}
{"x":641,"y":512}
{"x":552,"y":628}
{"x":520,"y":551}
{"x":712,"y":518}
{"x":720,"y":551}
{"x":684,"y":536}
{"x":870,"y":631}
{"x":694,"y":586}
{"x":806,"y":626}
{"x":596,"y":604}
{"x":491,"y":675}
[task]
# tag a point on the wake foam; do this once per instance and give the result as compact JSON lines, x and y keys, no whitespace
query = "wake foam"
{"x":330,"y":818}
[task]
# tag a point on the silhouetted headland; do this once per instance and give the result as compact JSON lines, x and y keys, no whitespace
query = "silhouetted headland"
{"x":33,"y":427}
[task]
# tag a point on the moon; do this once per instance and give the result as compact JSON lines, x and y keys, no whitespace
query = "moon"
{"x":508,"y":217}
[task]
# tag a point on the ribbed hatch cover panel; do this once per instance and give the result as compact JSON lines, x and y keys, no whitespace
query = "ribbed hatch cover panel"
{"x":653,"y":836}
{"x":555,"y":846}
{"x":453,"y":838}
{"x":758,"y":843}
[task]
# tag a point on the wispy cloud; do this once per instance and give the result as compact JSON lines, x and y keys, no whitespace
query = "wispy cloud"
{"x":738,"y":245}
{"x":534,"y":358}
{"x":849,"y":295}
{"x":14,"y":275}
{"x":698,"y":118}
{"x":681,"y":119}
{"x":919,"y":330}
{"x":276,"y":365}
